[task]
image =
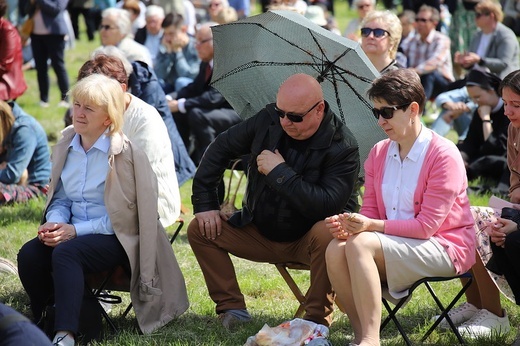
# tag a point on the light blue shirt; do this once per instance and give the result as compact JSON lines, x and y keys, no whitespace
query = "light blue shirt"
{"x":79,"y":196}
{"x":153,"y":43}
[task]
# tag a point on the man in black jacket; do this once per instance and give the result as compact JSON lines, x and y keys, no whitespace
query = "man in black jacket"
{"x":303,"y":166}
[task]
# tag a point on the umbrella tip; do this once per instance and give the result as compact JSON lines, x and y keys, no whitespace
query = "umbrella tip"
{"x":320,"y":79}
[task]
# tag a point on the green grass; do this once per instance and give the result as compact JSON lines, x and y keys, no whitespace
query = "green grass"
{"x":268,"y":297}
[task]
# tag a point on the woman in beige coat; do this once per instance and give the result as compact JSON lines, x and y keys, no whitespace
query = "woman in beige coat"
{"x":101,"y":212}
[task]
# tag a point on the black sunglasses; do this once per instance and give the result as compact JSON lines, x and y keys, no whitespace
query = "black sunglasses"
{"x":388,"y":112}
{"x":365,"y":32}
{"x":422,"y":20}
{"x":480,"y":14}
{"x":294,"y":117}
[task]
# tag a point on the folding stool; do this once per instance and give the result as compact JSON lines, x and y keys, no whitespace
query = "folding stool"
{"x":116,"y":279}
{"x":282,"y":268}
{"x":444,"y":310}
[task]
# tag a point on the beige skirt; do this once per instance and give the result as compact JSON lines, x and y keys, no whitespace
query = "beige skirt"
{"x":408,"y":260}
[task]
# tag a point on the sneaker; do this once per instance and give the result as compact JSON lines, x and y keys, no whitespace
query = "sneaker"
{"x":230,"y":321}
{"x":63,"y":104}
{"x":485,"y":324}
{"x":459,"y":315}
{"x":44,"y":104}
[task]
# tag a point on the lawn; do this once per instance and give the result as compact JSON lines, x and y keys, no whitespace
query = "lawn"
{"x":268,"y":297}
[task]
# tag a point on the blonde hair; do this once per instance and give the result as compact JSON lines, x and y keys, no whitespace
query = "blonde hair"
{"x":393,"y":25}
{"x":6,"y":121}
{"x":104,"y":92}
{"x":226,"y":15}
{"x":489,"y":6}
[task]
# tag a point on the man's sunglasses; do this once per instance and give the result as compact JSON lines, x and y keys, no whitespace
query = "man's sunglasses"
{"x":365,"y":32}
{"x":294,"y":117}
{"x":388,"y":112}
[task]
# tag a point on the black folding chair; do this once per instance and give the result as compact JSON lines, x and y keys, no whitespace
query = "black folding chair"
{"x":444,"y":310}
{"x":116,"y":279}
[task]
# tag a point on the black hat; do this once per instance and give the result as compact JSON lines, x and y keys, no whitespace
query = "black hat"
{"x":482,"y":79}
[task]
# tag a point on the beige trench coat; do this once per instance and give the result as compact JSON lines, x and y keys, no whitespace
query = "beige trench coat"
{"x":157,"y":287}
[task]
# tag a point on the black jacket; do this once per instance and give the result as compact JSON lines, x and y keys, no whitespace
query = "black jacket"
{"x":324,"y":187}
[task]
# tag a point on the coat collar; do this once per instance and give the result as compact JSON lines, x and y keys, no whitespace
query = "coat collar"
{"x":116,"y":140}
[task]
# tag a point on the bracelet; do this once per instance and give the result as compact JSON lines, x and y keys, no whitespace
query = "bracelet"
{"x":487,"y":121}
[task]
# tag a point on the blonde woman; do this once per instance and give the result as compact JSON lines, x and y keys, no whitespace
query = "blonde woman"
{"x":380,"y":36}
{"x":101,"y":213}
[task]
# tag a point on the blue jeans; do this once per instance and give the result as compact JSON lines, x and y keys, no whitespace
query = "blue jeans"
{"x":461,"y":125}
{"x":434,"y":83}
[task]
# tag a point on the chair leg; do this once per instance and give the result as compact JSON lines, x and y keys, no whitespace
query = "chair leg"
{"x":391,"y":316}
{"x":294,"y":288}
{"x":445,"y":311}
{"x":177,"y":231}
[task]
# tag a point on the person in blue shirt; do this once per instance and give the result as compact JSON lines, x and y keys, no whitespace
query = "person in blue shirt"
{"x":24,"y":156}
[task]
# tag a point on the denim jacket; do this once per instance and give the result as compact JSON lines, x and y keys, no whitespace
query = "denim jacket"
{"x":26,"y":147}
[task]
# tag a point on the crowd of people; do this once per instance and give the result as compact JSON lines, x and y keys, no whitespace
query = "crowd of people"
{"x":142,"y":119}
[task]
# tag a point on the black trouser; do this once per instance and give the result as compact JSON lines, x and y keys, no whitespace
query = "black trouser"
{"x":52,"y":47}
{"x":46,"y":272}
{"x":507,"y":260}
{"x":90,"y":22}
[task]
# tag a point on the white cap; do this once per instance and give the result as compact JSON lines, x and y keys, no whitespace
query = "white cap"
{"x":316,"y":15}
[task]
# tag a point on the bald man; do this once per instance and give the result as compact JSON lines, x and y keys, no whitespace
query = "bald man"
{"x":303,"y":167}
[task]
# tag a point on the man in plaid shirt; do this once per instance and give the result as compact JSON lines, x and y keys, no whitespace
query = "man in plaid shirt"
{"x":428,"y":53}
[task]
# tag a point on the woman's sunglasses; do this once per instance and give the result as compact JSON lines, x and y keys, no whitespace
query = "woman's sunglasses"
{"x":294,"y":117}
{"x":388,"y":112}
{"x":365,"y":32}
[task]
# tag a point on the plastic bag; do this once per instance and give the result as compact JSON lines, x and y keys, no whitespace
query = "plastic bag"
{"x":291,"y":333}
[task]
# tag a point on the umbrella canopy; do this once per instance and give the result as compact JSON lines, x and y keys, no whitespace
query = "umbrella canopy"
{"x":254,"y":56}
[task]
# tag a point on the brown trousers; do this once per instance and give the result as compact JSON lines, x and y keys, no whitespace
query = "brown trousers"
{"x":248,"y":243}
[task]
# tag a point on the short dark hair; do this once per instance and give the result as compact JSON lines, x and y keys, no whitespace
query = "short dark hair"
{"x":398,"y":87}
{"x":3,"y":8}
{"x":109,"y":66}
{"x":174,"y":19}
{"x":511,"y":81}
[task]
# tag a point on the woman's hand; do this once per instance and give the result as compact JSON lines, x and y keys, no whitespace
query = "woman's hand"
{"x":344,"y":225}
{"x":500,"y":229}
{"x":52,"y":234}
{"x":333,"y":223}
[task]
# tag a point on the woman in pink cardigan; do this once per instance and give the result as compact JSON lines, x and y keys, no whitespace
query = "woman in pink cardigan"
{"x":415,"y":219}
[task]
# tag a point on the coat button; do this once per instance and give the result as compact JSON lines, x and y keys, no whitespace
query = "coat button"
{"x":131,"y":206}
{"x":280,"y":180}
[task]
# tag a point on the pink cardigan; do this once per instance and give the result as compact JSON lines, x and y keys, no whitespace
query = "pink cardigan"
{"x":440,"y":200}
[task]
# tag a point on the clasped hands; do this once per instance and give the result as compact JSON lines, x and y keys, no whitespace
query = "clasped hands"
{"x":342,"y":226}
{"x":54,"y":233}
{"x":499,"y":229}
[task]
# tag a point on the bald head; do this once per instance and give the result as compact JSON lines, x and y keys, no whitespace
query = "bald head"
{"x":301,"y":86}
{"x":301,"y":94}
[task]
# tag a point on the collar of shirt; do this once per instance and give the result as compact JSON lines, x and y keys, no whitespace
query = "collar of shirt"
{"x":498,"y":106}
{"x":419,"y":147}
{"x":102,"y":143}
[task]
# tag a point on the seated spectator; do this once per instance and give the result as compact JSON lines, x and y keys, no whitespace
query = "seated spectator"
{"x":24,"y":156}
{"x":380,"y":37}
{"x":407,"y":19}
{"x":482,"y":315}
{"x":457,"y":110}
{"x":512,"y":15}
{"x":428,"y":53}
{"x":393,"y":241}
{"x":150,"y":36}
{"x":16,"y":329}
{"x":115,"y":30}
{"x":199,"y":110}
{"x":177,"y":62}
{"x":495,"y":47}
{"x":484,"y":149}
{"x":290,"y":190}
{"x":363,"y":7}
{"x":227,"y":15}
{"x":190,"y":17}
{"x":144,"y":127}
{"x":85,"y":228}
{"x":136,"y":9}
{"x":318,"y":15}
{"x":143,"y":84}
